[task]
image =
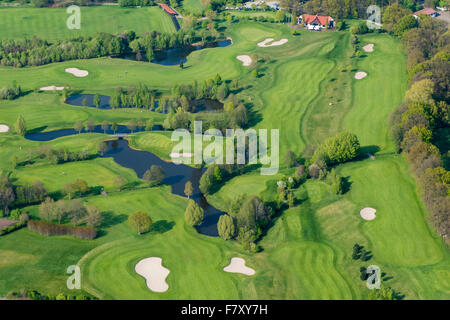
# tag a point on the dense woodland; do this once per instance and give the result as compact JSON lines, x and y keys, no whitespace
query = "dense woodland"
{"x":420,"y":125}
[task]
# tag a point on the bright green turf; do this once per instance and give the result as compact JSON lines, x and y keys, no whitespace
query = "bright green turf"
{"x":50,"y":23}
{"x":193,"y":6}
{"x":307,"y":252}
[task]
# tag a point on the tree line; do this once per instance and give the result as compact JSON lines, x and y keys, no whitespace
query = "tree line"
{"x":418,"y":126}
{"x":35,"y":51}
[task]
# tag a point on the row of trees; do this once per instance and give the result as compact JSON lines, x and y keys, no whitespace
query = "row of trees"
{"x":73,"y":211}
{"x":51,"y":155}
{"x":418,"y":124}
{"x":35,"y":52}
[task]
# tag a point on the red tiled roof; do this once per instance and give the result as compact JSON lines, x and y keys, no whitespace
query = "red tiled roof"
{"x":427,"y":11}
{"x":309,"y":18}
{"x":166,"y":8}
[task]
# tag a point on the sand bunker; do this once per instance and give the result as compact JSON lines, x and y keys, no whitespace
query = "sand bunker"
{"x":368,"y":48}
{"x":51,"y":88}
{"x":368,"y":213}
{"x":181,"y":155}
{"x":4,"y":128}
{"x":360,"y":74}
{"x":77,"y":72}
{"x":237,"y":265}
{"x":246,"y":60}
{"x":155,"y":274}
{"x":274,"y":43}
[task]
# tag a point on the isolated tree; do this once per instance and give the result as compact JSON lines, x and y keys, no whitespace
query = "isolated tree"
{"x":89,"y":125}
{"x":120,"y":182}
{"x":193,"y":214}
{"x":140,"y":222}
{"x":188,"y":189}
{"x":97,"y":100}
{"x":102,"y":147}
{"x":290,"y":159}
{"x":78,"y":126}
{"x":132,"y":125}
{"x":105,"y":125}
{"x":20,"y":126}
{"x":226,"y":227}
{"x":155,"y":174}
{"x":76,"y":211}
{"x":94,"y":217}
{"x":114,"y":127}
{"x":47,"y":209}
{"x":68,"y":189}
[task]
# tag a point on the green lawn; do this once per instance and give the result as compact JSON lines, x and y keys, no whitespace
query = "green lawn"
{"x":306,"y":254}
{"x":50,"y":23}
{"x":193,"y":6}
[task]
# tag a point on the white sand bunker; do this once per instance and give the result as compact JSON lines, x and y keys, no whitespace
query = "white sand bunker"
{"x":181,"y":155}
{"x":51,"y":88}
{"x":360,"y":74}
{"x":368,"y":48}
{"x":368,"y":213}
{"x":77,"y":72}
{"x":155,"y":274}
{"x":246,"y":60}
{"x":4,"y":128}
{"x":266,"y":43}
{"x":237,"y":265}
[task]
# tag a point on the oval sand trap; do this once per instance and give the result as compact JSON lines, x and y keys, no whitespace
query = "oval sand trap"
{"x":237,"y":265}
{"x":4,"y":128}
{"x":368,"y":47}
{"x":360,"y":74}
{"x":77,"y":72}
{"x":246,"y":60}
{"x":269,"y":42}
{"x":368,"y":213}
{"x":154,"y":273}
{"x":51,"y":88}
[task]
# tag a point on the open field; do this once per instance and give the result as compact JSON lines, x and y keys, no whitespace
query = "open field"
{"x":50,"y":23}
{"x":306,"y":254}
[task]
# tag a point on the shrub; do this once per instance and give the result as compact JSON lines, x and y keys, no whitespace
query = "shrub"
{"x":193,"y":214}
{"x":140,"y":222}
{"x":53,"y":229}
{"x":226,"y":227}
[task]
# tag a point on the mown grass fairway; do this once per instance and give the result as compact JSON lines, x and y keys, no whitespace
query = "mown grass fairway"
{"x":45,"y":23}
{"x":306,"y":90}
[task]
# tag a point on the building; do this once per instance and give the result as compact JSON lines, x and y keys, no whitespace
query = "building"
{"x":427,"y":11}
{"x":316,"y":22}
{"x":167,"y":9}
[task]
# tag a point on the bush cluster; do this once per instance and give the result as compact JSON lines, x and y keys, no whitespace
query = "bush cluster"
{"x":53,"y":229}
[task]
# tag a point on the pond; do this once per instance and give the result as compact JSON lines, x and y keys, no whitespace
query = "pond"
{"x":173,"y":57}
{"x":176,"y":174}
{"x":87,"y":100}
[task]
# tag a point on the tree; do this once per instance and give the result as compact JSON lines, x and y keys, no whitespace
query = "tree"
{"x":20,"y":126}
{"x":336,"y":182}
{"x":404,"y":24}
{"x":78,"y":126}
{"x":7,"y":195}
{"x":155,"y":174}
{"x":76,"y":211}
{"x":68,"y":189}
{"x":205,"y":184}
{"x":193,"y":214}
{"x":149,"y":125}
{"x":140,"y":222}
{"x":119,"y":182}
{"x":131,"y":125}
{"x":290,"y":159}
{"x":102,"y":147}
{"x":97,"y":100}
{"x":105,"y":126}
{"x":188,"y":189}
{"x":94,"y":217}
{"x":226,"y":227}
{"x":47,"y":209}
{"x":114,"y":127}
{"x":341,"y":148}
{"x":384,"y":293}
{"x":89,"y":126}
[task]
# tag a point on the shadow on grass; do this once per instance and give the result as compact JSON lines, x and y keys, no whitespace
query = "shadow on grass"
{"x":162,"y":226}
